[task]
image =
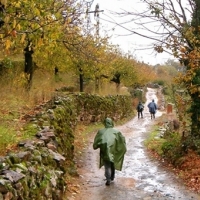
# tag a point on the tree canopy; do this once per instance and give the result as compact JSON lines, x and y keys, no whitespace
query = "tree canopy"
{"x":56,"y":35}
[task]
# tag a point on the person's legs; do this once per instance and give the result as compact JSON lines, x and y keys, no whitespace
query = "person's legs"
{"x":140,"y":114}
{"x":107,"y":166}
{"x":154,"y":115}
{"x":112,"y":171}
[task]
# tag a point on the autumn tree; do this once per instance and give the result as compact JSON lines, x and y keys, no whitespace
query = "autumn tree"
{"x":123,"y":69}
{"x":85,"y":56}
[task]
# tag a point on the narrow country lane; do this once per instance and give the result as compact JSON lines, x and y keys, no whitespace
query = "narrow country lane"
{"x":141,"y":177}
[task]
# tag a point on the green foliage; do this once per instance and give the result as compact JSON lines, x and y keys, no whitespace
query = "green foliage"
{"x":172,"y":147}
{"x":154,"y":142}
{"x":105,"y":106}
{"x":166,"y":91}
{"x":7,"y":137}
{"x":137,"y":94}
{"x":193,"y":143}
{"x":159,"y":82}
{"x":29,"y":130}
{"x":36,"y":21}
{"x":169,"y":148}
{"x":7,"y":63}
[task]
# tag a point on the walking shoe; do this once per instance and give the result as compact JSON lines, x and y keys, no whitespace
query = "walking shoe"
{"x":107,"y":183}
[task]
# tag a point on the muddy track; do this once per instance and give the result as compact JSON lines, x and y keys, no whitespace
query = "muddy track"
{"x":141,"y":177}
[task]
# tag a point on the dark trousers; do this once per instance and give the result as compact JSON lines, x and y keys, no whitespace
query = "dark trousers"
{"x":109,"y":170}
{"x":152,"y":115}
{"x":140,"y":114}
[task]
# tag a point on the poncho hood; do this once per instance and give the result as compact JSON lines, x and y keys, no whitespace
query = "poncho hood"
{"x":108,"y":123}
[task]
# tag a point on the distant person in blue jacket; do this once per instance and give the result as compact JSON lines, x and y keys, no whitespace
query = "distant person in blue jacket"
{"x":152,"y":108}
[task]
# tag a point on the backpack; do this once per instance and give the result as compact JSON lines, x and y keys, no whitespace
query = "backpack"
{"x":140,"y":107}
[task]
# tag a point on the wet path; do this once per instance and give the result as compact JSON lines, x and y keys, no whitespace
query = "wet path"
{"x":140,"y":179}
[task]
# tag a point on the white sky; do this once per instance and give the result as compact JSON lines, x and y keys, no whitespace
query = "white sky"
{"x":129,"y":43}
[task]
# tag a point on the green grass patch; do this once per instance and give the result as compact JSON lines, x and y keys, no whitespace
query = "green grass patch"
{"x":93,"y":127}
{"x":154,"y":142}
{"x":7,"y":138}
{"x":29,"y":131}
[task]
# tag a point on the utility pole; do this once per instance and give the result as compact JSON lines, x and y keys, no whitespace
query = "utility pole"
{"x":96,"y":15}
{"x":89,"y":4}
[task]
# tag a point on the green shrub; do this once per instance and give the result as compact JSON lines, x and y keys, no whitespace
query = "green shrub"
{"x":172,"y":147}
{"x":193,"y":143}
{"x":169,"y":148}
{"x":154,"y":142}
{"x":159,"y":82}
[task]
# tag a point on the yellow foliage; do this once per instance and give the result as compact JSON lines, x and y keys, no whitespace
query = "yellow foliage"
{"x":37,"y":12}
{"x":23,"y":38}
{"x":18,"y":4}
{"x":40,"y":42}
{"x":7,"y":19}
{"x":18,"y":27}
{"x":14,"y":23}
{"x":8,"y":44}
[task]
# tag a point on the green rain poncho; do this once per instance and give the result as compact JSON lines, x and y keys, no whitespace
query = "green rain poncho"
{"x":111,"y":143}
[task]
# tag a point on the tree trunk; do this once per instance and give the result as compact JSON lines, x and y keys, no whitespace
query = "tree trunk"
{"x":28,"y":65}
{"x":97,"y":85}
{"x":81,"y":79}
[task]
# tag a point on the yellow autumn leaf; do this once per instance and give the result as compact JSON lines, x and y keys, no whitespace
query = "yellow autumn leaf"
{"x":14,"y":23}
{"x":40,"y":42}
{"x":23,"y":38}
{"x":8,"y":44}
{"x":18,"y":27}
{"x":18,"y":4}
{"x":37,"y":12}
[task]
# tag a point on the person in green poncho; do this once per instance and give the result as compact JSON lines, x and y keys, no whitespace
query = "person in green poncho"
{"x":112,"y":147}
